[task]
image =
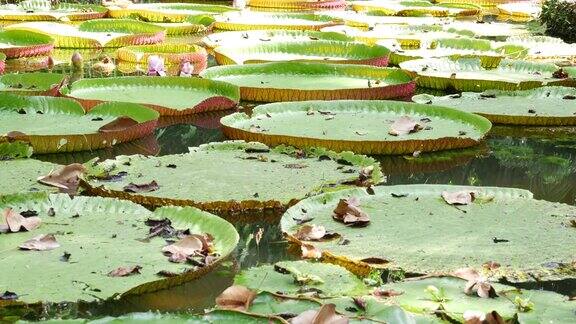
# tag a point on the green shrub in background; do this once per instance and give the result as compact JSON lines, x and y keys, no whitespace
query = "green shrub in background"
{"x":559,"y":19}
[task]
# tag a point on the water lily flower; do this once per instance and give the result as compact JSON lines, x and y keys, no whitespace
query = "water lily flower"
{"x":156,"y":66}
{"x":476,"y":283}
{"x":186,"y":69}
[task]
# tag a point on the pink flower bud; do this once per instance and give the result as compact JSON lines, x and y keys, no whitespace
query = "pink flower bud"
{"x":186,"y":69}
{"x":156,"y":66}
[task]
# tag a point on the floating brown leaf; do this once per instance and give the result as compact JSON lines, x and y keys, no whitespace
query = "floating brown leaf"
{"x":309,"y":251}
{"x":458,"y":197}
{"x":403,"y":126}
{"x":310,"y":232}
{"x":125,"y":271}
{"x":118,"y":124}
{"x":42,"y":242}
{"x":476,"y":283}
{"x":15,"y":222}
{"x":378,"y":292}
{"x":348,"y":212}
{"x":325,"y":315}
{"x":145,"y":187}
{"x":66,"y":178}
{"x":189,"y":245}
{"x":236,"y":298}
{"x":478,"y":317}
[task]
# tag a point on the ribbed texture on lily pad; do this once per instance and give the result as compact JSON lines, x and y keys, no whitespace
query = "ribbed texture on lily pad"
{"x":62,"y":12}
{"x":292,"y":21}
{"x":24,"y":44}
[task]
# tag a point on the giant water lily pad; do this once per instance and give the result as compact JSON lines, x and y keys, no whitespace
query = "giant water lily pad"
{"x":544,"y":47}
{"x":15,"y":43}
{"x":490,"y":53}
{"x":97,"y":33}
{"x":19,"y":176}
{"x":170,"y":53}
{"x":42,"y":10}
{"x":309,"y":51}
{"x":413,"y":228}
{"x":249,"y":20}
{"x":168,"y":95}
{"x":37,"y":83}
{"x":86,"y":264}
{"x":486,"y":29}
{"x":358,"y":126}
{"x":230,"y":38}
{"x":541,"y":106}
{"x":61,"y":125}
{"x":209,"y":176}
{"x":469,"y":74}
{"x":448,"y":299}
{"x":297,"y":81}
{"x":296,"y":5}
{"x":167,"y":12}
{"x":417,"y":8}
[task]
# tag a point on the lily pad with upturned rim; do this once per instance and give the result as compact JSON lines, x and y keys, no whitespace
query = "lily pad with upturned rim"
{"x":33,"y":84}
{"x":61,"y":11}
{"x":168,"y":12}
{"x":469,"y":74}
{"x":418,"y":8}
{"x":94,"y":251}
{"x":271,"y":179}
{"x":167,"y":95}
{"x":305,"y":51}
{"x":171,"y":53}
{"x":407,"y":219}
{"x":247,"y":20}
{"x":15,"y":43}
{"x":358,"y":126}
{"x":52,"y":124}
{"x":546,"y":106}
{"x":299,"y":81}
{"x":97,"y":33}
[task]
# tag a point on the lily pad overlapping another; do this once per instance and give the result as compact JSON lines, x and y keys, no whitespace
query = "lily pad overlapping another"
{"x":296,"y":5}
{"x":33,"y":84}
{"x":470,"y":227}
{"x":44,"y":10}
{"x":52,"y":124}
{"x":306,"y":51}
{"x":231,"y":38}
{"x":490,"y":53}
{"x":298,"y":81}
{"x":167,"y":95}
{"x":418,"y":8}
{"x":171,"y":54}
{"x":256,"y":177}
{"x":168,"y":12}
{"x":367,"y":127}
{"x":546,"y":106}
{"x":15,"y":43}
{"x":249,"y":20}
{"x":470,"y":74}
{"x":369,"y":19}
{"x":545,"y":48}
{"x":78,"y":261}
{"x":97,"y":33}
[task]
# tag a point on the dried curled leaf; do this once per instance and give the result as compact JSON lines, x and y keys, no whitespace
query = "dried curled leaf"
{"x":118,"y":124}
{"x":378,"y":292}
{"x":403,"y":126}
{"x":478,"y":317}
{"x":145,"y":187}
{"x":309,"y":251}
{"x":236,"y":298}
{"x":15,"y":222}
{"x":66,"y":178}
{"x":310,"y":232}
{"x":476,"y":283}
{"x":348,"y":212}
{"x":325,"y":315}
{"x":458,"y":197}
{"x":125,"y":271}
{"x":42,"y":242}
{"x":190,"y":245}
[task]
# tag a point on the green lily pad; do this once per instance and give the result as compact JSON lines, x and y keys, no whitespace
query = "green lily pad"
{"x":14,"y":150}
{"x":14,"y":43}
{"x":258,"y":168}
{"x":251,"y":20}
{"x":97,"y":33}
{"x":470,"y":74}
{"x":308,"y":51}
{"x":167,"y":12}
{"x":450,"y":299}
{"x":30,"y":10}
{"x":489,"y":52}
{"x":91,"y":248}
{"x":53,"y":124}
{"x":542,"y":106}
{"x":487,"y":29}
{"x":298,"y":81}
{"x":269,"y":304}
{"x":418,"y":8}
{"x":412,"y":228}
{"x":260,"y":36}
{"x":19,"y":176}
{"x":167,"y":95}
{"x":358,"y":126}
{"x":35,"y":84}
{"x":544,"y":47}
{"x":301,"y":277}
